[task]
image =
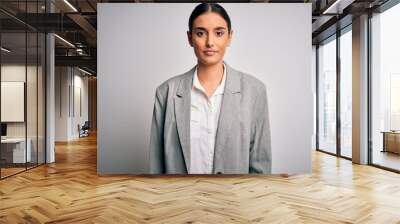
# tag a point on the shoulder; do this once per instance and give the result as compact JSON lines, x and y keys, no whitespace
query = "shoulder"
{"x":253,"y":82}
{"x":172,"y":84}
{"x":249,"y":83}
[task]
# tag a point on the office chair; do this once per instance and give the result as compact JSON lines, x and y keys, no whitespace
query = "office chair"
{"x":84,"y":130}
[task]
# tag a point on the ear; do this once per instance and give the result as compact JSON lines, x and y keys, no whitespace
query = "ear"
{"x":189,"y":36}
{"x":230,"y":38}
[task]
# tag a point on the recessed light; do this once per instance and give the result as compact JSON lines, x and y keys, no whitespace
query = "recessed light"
{"x":70,"y":5}
{"x":64,"y":40}
{"x":331,"y":7}
{"x":86,"y":72}
{"x":5,"y":50}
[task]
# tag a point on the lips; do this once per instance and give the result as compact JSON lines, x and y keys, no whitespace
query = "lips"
{"x":209,"y":52}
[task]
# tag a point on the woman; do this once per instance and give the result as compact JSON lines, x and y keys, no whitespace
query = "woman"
{"x":211,"y":119}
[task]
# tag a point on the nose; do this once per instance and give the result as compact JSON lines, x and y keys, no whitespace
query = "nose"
{"x":210,"y":41}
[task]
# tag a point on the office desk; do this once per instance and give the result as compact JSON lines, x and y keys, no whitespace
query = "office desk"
{"x":391,"y":142}
{"x":13,"y":150}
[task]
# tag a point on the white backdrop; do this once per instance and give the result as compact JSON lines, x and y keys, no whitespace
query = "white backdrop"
{"x":143,"y":44}
{"x":12,"y":101}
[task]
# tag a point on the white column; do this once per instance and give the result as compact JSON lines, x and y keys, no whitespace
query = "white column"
{"x":50,"y":100}
{"x":360,"y":90}
{"x":50,"y":92}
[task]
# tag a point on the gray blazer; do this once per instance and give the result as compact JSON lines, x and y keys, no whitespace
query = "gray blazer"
{"x":243,"y":142}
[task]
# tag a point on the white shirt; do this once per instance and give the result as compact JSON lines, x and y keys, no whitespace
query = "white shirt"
{"x":204,"y":114}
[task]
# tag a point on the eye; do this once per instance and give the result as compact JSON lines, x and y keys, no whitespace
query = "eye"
{"x":220,"y":33}
{"x":199,"y":33}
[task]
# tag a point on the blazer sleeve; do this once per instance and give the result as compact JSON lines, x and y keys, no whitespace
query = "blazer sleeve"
{"x":260,"y":147}
{"x":156,"y":135}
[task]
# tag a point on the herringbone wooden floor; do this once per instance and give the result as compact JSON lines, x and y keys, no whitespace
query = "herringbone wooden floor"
{"x":70,"y":191}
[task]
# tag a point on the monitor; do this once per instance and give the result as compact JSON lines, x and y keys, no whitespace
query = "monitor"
{"x":3,"y":129}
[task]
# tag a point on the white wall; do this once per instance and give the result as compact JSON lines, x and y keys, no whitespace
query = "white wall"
{"x":61,"y":103}
{"x":68,"y":81}
{"x":149,"y":45}
{"x":80,"y":84}
{"x":16,"y":72}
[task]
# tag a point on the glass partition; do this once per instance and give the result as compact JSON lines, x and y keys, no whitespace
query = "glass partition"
{"x":31,"y":100}
{"x":41,"y":97}
{"x":346,"y":93}
{"x":22,"y":77}
{"x":13,"y":92}
{"x":327,"y":96}
{"x":385,"y":89}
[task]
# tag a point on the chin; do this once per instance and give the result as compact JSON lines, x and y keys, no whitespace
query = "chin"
{"x":210,"y":61}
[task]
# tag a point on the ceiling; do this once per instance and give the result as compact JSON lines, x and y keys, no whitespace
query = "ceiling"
{"x":76,"y":22}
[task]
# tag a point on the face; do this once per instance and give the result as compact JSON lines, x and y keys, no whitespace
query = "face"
{"x":209,"y":38}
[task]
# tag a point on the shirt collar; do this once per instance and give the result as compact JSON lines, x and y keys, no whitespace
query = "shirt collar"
{"x":221,"y":87}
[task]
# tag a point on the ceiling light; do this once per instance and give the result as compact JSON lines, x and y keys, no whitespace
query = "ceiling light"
{"x":86,"y":72}
{"x":331,"y":7}
{"x":79,"y":51}
{"x":5,"y":50}
{"x":65,"y":41}
{"x":70,"y":5}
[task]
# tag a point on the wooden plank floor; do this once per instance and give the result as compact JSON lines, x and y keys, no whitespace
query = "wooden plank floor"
{"x":70,"y":191}
{"x":10,"y":171}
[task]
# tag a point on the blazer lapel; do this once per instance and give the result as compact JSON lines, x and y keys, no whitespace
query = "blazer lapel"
{"x":182,"y":114}
{"x":230,"y":108}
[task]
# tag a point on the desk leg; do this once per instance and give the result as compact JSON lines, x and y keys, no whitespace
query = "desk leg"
{"x":384,"y":142}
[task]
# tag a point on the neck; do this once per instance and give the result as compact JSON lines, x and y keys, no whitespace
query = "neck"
{"x":210,"y":74}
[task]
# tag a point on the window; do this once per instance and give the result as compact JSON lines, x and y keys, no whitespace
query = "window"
{"x":346,"y":93}
{"x":385,"y":88}
{"x":327,"y":96}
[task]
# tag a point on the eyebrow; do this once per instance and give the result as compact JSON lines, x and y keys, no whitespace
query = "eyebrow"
{"x":217,"y":28}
